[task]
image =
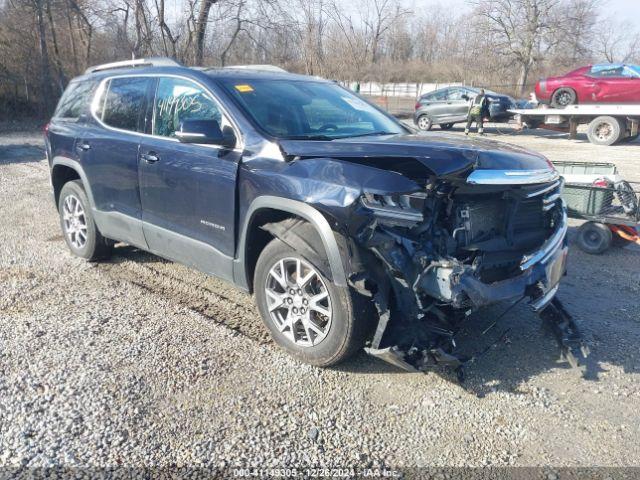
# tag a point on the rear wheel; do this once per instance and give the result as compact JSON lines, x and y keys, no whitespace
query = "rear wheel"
{"x":564,"y":97}
{"x":309,"y":316}
{"x":605,"y":131}
{"x":594,"y":238}
{"x":446,"y":126}
{"x":424,"y":123}
{"x":80,"y":231}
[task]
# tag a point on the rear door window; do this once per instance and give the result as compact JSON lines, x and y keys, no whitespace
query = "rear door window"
{"x":125,"y":103}
{"x":438,"y":95}
{"x":75,"y":100}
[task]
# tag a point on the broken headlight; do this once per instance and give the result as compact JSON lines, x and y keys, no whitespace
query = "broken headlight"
{"x":400,"y":208}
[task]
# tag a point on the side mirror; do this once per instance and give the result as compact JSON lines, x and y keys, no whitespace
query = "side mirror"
{"x":205,"y":132}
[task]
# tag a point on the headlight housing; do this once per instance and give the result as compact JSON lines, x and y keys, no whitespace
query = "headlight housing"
{"x":396,"y":208}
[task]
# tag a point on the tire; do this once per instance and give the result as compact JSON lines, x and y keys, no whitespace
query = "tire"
{"x":424,"y":123}
{"x":563,"y":97}
{"x":534,"y":123}
{"x":78,"y":227}
{"x":446,"y":126}
{"x":594,"y":238}
{"x":350,"y":313}
{"x":605,"y":131}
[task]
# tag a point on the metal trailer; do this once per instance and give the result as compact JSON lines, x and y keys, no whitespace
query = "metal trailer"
{"x":608,"y":124}
{"x":611,"y":205}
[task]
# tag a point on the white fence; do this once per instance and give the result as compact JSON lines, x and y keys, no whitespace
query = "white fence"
{"x":413,"y":90}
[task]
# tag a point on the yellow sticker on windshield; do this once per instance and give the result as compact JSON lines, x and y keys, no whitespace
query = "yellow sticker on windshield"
{"x":244,"y":88}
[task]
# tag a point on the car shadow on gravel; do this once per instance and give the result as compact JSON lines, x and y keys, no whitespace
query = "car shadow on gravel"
{"x":20,"y":153}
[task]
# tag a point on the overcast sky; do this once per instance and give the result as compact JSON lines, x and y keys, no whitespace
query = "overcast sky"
{"x":620,"y":9}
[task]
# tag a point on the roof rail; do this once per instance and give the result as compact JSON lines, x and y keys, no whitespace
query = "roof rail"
{"x":138,"y":62}
{"x":266,"y":68}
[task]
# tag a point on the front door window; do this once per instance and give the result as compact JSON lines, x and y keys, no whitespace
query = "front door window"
{"x":178,"y":100}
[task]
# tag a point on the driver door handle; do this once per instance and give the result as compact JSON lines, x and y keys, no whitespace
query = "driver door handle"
{"x":150,"y":157}
{"x":82,"y":147}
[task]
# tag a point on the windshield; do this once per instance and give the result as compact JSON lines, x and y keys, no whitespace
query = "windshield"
{"x":294,"y":109}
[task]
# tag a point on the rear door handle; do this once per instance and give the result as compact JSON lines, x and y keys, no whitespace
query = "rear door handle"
{"x":150,"y":157}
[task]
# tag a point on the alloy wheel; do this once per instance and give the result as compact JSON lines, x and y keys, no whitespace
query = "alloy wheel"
{"x":565,"y":98}
{"x":75,"y":221}
{"x":298,"y":302}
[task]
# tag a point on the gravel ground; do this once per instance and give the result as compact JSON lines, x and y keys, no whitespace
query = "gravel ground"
{"x":143,"y":362}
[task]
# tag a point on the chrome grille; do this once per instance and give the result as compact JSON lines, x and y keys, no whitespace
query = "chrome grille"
{"x":550,"y":194}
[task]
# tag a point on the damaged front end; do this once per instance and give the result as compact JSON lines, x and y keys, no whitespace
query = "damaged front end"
{"x":457,"y":246}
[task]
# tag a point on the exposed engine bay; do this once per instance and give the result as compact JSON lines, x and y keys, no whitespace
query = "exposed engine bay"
{"x":457,"y":247}
{"x":436,"y":233}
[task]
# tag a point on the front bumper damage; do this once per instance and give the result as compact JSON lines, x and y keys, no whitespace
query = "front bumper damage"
{"x":425,"y":338}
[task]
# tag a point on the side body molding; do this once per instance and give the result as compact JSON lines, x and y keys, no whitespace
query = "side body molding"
{"x":303,"y":210}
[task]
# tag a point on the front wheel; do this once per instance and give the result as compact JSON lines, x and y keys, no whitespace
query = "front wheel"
{"x":424,"y":123}
{"x":309,"y":316}
{"x":80,"y":230}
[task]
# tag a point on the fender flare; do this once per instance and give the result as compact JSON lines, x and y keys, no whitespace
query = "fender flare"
{"x":305,"y":211}
{"x":67,"y":162}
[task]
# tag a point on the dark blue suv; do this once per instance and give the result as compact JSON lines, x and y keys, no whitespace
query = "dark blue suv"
{"x":350,"y":229}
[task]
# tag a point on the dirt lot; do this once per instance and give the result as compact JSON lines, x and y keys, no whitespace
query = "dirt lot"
{"x":142,"y":362}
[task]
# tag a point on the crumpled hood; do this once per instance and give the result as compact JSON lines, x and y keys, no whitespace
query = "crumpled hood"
{"x":444,"y":155}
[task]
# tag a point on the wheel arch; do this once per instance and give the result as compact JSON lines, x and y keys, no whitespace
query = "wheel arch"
{"x":253,"y":239}
{"x":64,"y":170}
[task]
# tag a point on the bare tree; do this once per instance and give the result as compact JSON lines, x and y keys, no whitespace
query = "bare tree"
{"x":170,"y":49}
{"x":618,"y":42}
{"x":43,"y":43}
{"x":45,"y":68}
{"x":201,"y":29}
{"x":523,"y":30}
{"x":383,"y":14}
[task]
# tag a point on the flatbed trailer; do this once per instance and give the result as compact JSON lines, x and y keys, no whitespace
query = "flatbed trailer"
{"x":608,"y":123}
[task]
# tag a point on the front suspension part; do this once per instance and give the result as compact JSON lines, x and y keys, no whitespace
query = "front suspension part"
{"x":573,"y":349}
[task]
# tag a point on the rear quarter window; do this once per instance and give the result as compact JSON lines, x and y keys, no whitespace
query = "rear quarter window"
{"x":75,"y":100}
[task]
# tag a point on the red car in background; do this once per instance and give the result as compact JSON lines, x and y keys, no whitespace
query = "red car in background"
{"x":606,"y":83}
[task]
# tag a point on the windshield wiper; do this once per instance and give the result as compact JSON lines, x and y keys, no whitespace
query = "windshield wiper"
{"x":370,"y":134}
{"x":310,"y":137}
